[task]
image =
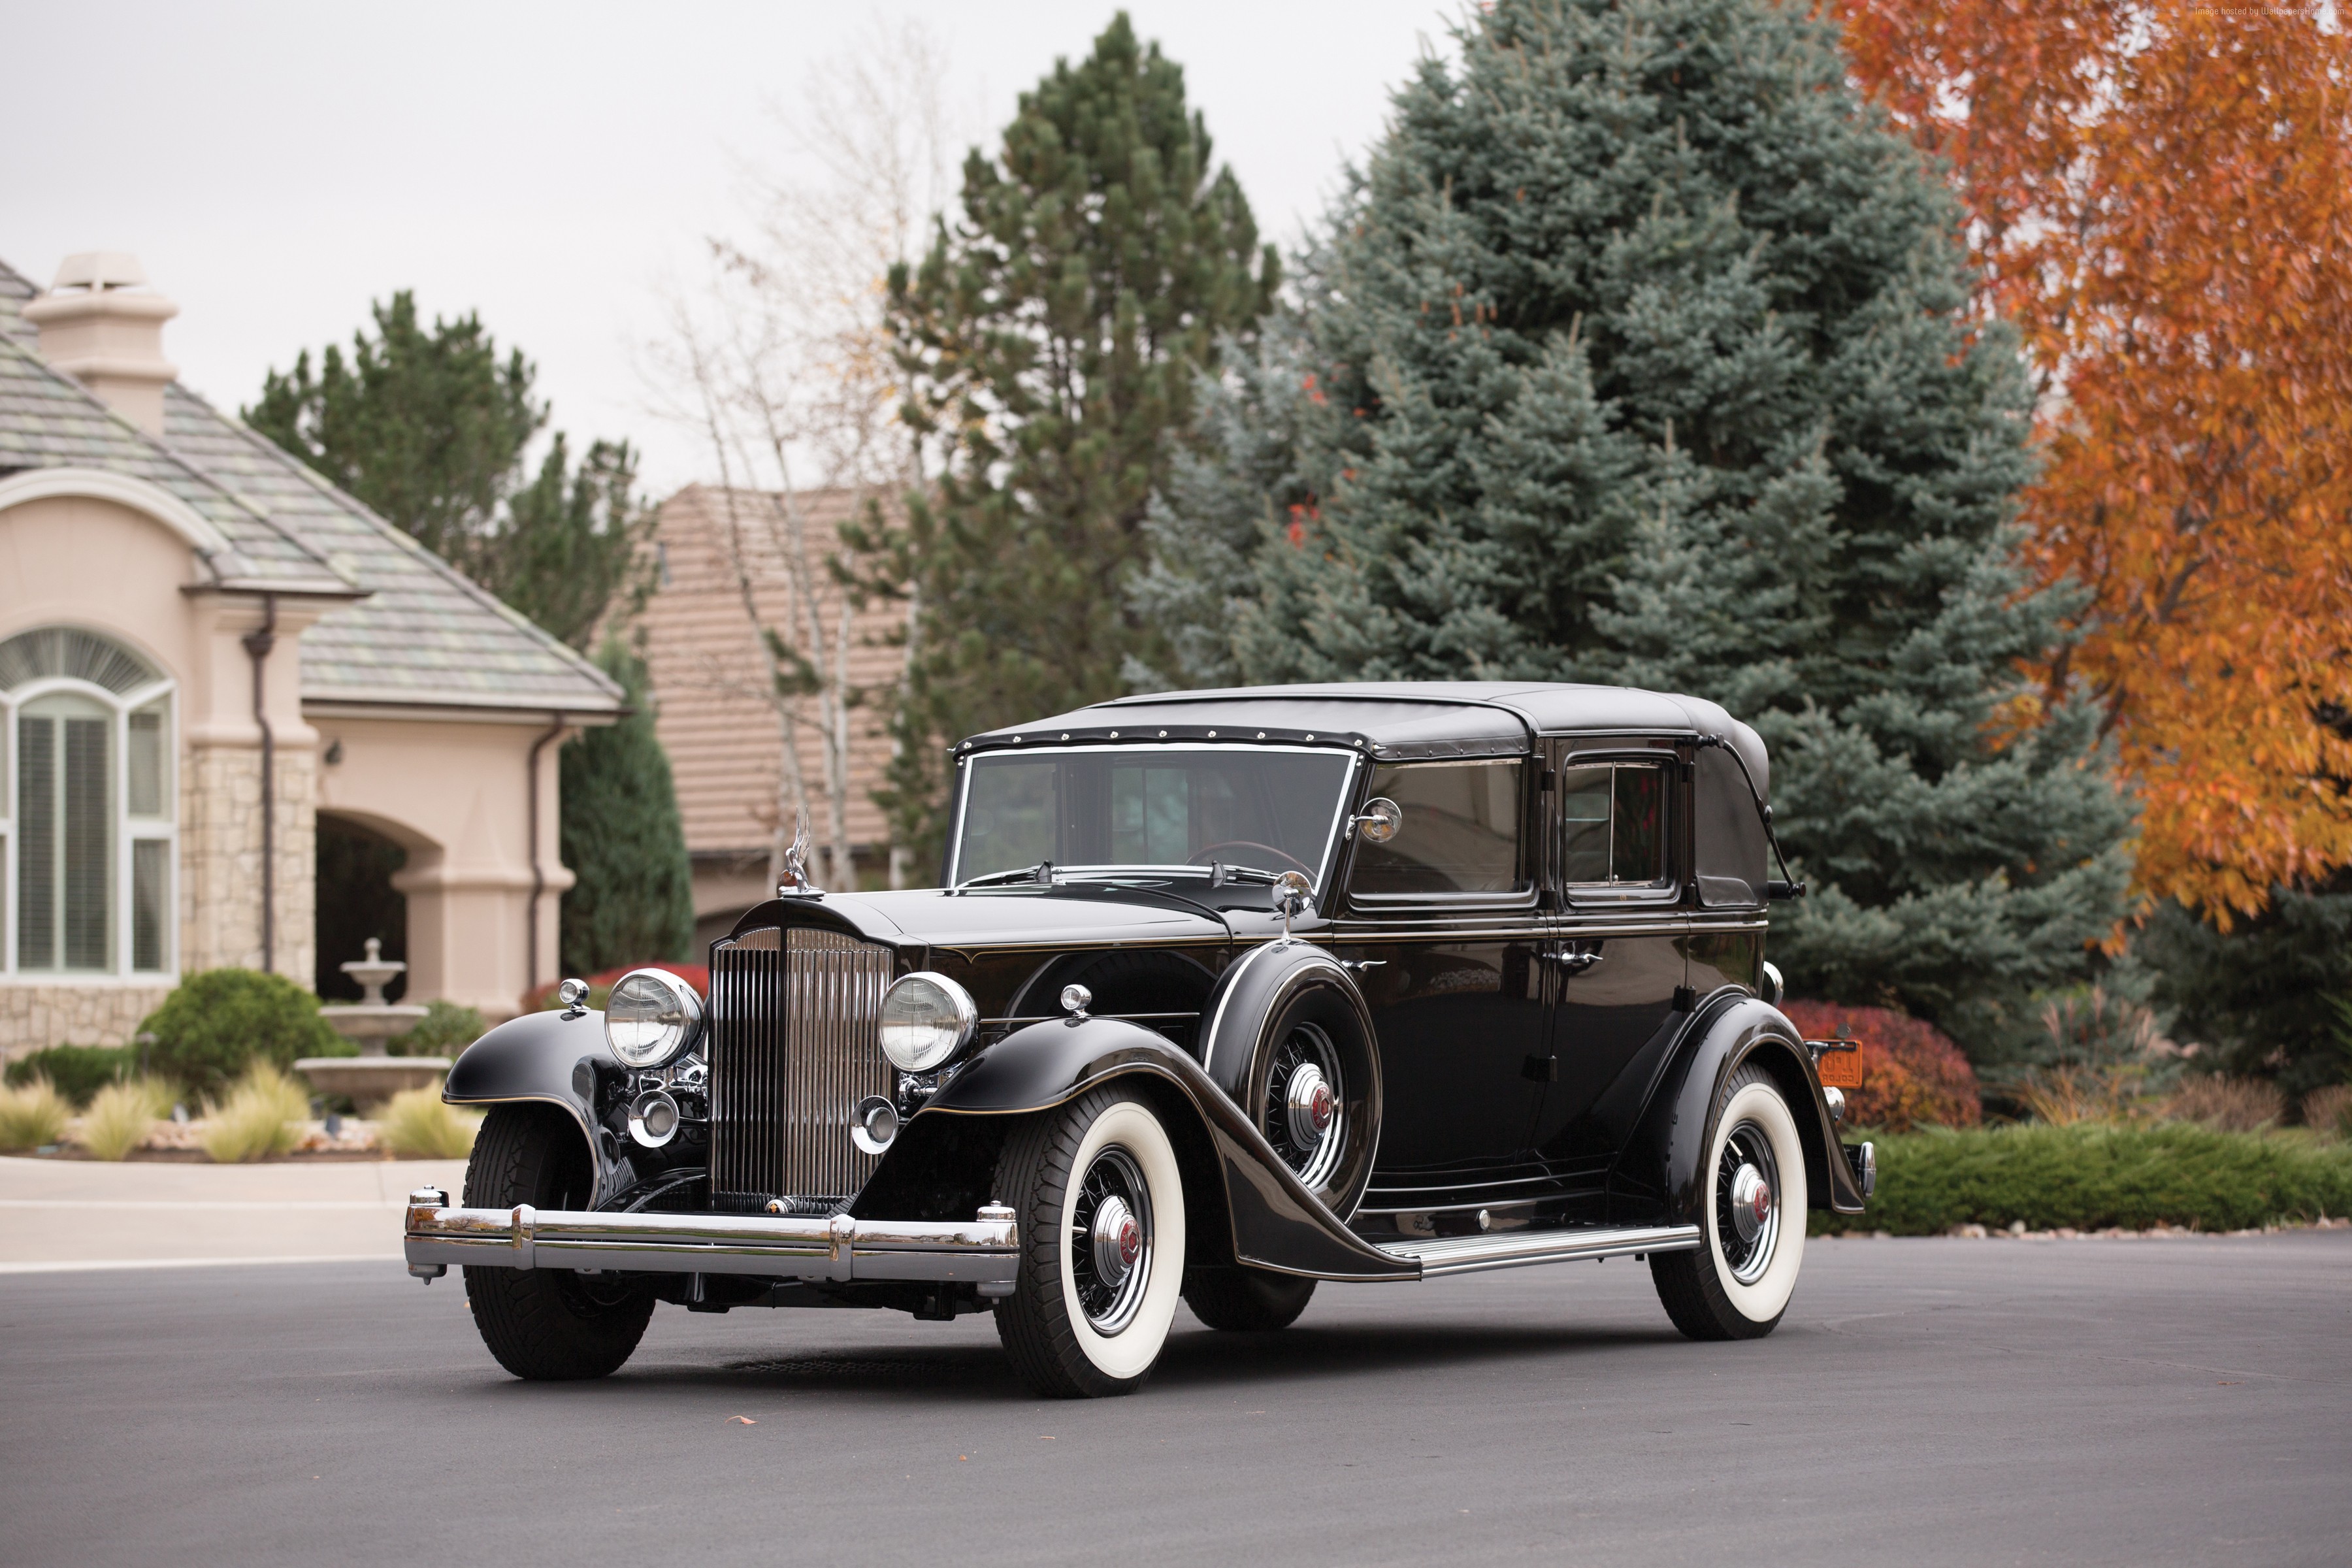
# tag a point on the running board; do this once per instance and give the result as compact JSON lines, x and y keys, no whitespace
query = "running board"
{"x":1520,"y":1248}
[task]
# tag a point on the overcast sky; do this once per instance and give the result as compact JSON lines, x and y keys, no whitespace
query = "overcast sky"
{"x":278,"y":167}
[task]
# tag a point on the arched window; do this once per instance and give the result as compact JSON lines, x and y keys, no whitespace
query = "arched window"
{"x":87,"y":824}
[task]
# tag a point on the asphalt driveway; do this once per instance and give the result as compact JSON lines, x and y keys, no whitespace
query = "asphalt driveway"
{"x":1926,"y":1402}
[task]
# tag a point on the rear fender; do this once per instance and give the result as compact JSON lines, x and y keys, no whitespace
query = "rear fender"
{"x":1668,"y":1152}
{"x":1273,"y":1221}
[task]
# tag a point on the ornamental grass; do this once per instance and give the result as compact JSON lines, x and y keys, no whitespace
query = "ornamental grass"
{"x":2227,"y":1104}
{"x":2093,"y":1176}
{"x":122,"y":1115}
{"x":2329,"y":1110}
{"x":32,"y":1115}
{"x":416,"y":1125}
{"x":258,"y":1118}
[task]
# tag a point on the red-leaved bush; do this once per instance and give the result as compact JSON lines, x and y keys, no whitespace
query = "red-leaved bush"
{"x":1912,"y":1074}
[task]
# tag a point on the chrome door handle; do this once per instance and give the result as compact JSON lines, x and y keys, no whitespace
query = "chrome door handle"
{"x":1574,"y":963}
{"x":1358,"y":965}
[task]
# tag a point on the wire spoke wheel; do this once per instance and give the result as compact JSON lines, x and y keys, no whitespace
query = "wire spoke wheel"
{"x":1306,"y":1104}
{"x":1746,"y":1205}
{"x":1109,"y":1240}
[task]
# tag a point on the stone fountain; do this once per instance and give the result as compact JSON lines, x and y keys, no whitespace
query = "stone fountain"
{"x":372,"y":1077}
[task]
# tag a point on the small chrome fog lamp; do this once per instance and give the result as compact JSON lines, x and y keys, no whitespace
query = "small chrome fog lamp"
{"x":926,"y":1019}
{"x":652,"y":1119}
{"x":651,"y":1016}
{"x":1773,"y":988}
{"x":874,"y":1125}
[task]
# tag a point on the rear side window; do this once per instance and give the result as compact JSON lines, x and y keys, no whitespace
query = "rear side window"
{"x":1613,"y":826}
{"x":1460,"y":832}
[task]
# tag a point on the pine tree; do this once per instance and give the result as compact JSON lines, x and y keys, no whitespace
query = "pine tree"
{"x":633,"y":901}
{"x":431,"y":430}
{"x":1051,"y":338}
{"x":1641,"y":352}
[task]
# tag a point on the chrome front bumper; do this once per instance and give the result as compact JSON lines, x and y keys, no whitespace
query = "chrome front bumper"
{"x":982,"y":1251}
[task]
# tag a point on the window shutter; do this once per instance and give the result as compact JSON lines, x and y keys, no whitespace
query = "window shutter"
{"x":37,"y":855}
{"x":89,"y":868}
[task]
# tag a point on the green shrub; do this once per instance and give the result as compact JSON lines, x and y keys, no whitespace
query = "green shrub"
{"x":32,"y":1115}
{"x":256,"y":1119}
{"x":76,"y":1072}
{"x":2091,"y":1176}
{"x":446,"y":1029}
{"x":416,"y":1125}
{"x":121,"y":1114}
{"x":222,"y":1021}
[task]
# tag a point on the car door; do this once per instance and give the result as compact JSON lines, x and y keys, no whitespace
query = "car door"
{"x":1616,"y":965}
{"x":1441,"y":926}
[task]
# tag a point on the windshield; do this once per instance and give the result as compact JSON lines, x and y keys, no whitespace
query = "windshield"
{"x":1271,"y":808}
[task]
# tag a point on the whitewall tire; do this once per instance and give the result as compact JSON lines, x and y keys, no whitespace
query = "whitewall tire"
{"x":1737,"y":1285}
{"x":1100,"y":1202}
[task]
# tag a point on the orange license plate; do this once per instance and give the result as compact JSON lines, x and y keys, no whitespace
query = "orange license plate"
{"x":1841,"y":1069}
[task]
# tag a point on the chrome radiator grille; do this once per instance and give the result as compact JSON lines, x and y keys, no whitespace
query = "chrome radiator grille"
{"x":794,"y":1018}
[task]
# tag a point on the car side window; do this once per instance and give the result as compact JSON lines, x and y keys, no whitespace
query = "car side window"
{"x":1459,"y":831}
{"x":1613,"y":826}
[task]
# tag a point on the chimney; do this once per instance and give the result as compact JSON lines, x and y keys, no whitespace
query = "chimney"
{"x":106,"y":337}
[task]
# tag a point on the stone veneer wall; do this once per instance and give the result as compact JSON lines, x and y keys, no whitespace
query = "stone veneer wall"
{"x":34,"y":1016}
{"x":220,"y":861}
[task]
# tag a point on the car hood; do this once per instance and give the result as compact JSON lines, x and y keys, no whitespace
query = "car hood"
{"x":1021,"y":916}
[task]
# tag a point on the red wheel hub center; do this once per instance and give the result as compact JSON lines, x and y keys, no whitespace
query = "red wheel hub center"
{"x":1130,"y":1241}
{"x":1320,"y":1107}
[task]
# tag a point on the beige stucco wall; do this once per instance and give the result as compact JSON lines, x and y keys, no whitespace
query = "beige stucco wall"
{"x":107,"y":567}
{"x":453,"y":793}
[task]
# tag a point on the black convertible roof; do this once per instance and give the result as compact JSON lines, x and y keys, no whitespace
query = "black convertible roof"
{"x":1402,"y":720}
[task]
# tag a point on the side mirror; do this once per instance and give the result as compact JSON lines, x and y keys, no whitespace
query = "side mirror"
{"x":1378,"y":822}
{"x":1292,"y":893}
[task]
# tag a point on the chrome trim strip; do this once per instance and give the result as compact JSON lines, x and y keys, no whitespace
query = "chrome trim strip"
{"x":1519,"y":1250}
{"x":836,"y":1248}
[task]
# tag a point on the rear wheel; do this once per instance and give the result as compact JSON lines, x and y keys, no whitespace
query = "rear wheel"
{"x":1101,"y":1208}
{"x":1246,"y":1301}
{"x":545,"y":1323}
{"x":1738,"y":1283}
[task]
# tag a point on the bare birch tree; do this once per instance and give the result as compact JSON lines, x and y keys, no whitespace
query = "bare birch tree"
{"x":777,"y":359}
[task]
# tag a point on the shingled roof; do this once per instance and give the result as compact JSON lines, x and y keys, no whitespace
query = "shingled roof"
{"x":422,"y":635}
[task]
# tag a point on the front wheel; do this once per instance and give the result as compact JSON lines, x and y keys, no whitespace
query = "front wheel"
{"x":1101,"y":1208}
{"x":545,"y":1323}
{"x":1737,"y":1284}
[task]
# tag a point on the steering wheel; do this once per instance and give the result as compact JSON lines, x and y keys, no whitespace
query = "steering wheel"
{"x":1209,"y":853}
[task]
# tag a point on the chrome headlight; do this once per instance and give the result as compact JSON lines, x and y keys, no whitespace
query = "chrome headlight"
{"x":926,"y":1019}
{"x":651,"y":1016}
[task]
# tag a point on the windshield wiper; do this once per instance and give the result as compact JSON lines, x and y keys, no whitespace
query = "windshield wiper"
{"x":1041,"y":873}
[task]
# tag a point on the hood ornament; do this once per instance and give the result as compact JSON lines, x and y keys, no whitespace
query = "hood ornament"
{"x":796,"y":884}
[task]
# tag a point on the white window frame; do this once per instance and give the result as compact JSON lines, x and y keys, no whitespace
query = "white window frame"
{"x":127,"y":830}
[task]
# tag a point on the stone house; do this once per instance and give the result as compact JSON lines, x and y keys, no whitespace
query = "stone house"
{"x":207,"y":653}
{"x":724,"y":576}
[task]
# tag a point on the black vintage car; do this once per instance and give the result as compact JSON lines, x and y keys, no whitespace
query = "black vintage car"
{"x":1227,"y":994}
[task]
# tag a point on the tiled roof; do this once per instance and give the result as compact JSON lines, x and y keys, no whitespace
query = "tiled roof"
{"x":425,"y":636}
{"x":703,"y":655}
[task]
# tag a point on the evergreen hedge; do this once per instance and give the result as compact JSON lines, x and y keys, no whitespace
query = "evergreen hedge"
{"x":2092,"y":1176}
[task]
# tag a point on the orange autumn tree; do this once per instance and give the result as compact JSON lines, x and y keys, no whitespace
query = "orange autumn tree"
{"x":2161,"y":198}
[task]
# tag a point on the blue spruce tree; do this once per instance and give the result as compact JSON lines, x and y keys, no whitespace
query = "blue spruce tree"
{"x":1641,"y":352}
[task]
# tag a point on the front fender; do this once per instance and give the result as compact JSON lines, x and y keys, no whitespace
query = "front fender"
{"x":1277,"y":1223}
{"x":1668,"y":1153}
{"x":551,"y":1058}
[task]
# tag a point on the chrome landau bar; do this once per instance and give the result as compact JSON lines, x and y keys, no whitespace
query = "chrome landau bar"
{"x":982,"y":1250}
